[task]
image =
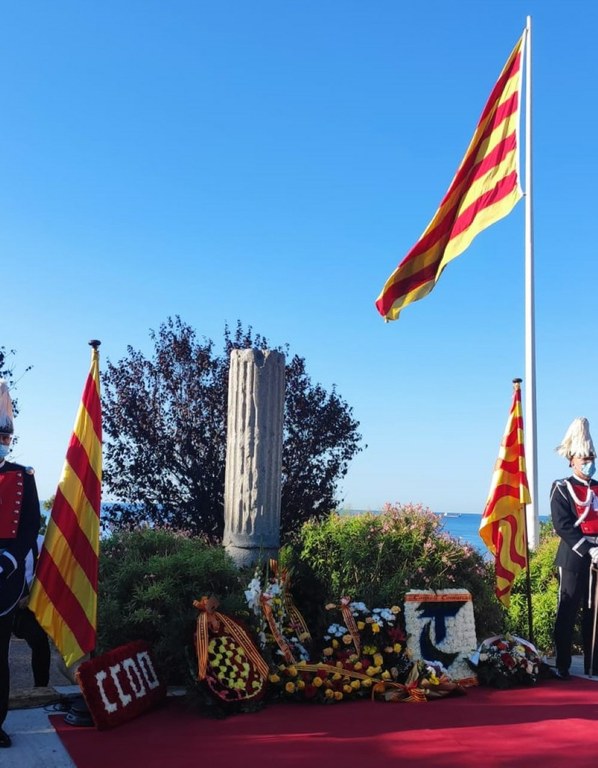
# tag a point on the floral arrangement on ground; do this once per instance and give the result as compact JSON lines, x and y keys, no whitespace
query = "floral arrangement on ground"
{"x":364,"y":651}
{"x":504,"y":661}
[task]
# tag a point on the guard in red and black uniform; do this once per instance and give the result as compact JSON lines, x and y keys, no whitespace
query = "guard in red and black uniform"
{"x":574,"y":511}
{"x":19,"y":525}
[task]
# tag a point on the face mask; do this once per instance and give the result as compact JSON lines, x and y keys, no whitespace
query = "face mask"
{"x":589,"y":469}
{"x":4,"y":451}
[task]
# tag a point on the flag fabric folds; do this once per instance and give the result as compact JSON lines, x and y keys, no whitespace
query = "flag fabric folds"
{"x":484,"y":190}
{"x":503,"y":521}
{"x":64,"y":592}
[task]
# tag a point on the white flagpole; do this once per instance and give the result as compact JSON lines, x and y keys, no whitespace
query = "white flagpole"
{"x":532,"y":511}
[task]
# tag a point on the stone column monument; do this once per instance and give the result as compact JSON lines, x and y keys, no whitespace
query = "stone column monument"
{"x":253,"y":455}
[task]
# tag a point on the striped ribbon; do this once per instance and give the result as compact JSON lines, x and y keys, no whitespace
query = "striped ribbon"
{"x":350,"y":623}
{"x":209,"y":619}
{"x":274,"y":629}
{"x":296,"y":619}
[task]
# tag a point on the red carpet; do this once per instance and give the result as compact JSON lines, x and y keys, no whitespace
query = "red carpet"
{"x":554,"y":724}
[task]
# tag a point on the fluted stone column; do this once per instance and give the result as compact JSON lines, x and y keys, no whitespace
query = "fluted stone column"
{"x":253,"y":455}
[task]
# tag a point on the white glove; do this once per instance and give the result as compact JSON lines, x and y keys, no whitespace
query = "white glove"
{"x":593,"y":553}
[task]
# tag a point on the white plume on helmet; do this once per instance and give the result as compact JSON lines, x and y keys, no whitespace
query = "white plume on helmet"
{"x":6,"y":418}
{"x":577,"y":440}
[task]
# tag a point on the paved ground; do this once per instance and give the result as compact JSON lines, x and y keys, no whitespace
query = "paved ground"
{"x":35,"y":743}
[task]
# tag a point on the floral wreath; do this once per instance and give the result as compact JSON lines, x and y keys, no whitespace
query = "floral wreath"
{"x":504,"y":661}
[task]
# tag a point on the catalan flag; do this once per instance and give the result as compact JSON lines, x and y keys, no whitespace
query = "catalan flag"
{"x":503,"y":520}
{"x":485,"y":188}
{"x":64,"y":592}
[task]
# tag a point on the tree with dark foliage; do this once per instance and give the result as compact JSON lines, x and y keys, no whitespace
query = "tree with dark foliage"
{"x":164,"y":422}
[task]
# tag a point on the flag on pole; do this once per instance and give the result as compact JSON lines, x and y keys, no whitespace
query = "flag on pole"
{"x":485,"y":189}
{"x":64,"y":592}
{"x":503,"y":521}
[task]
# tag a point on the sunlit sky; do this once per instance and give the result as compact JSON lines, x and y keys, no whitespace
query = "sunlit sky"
{"x":272,"y":162}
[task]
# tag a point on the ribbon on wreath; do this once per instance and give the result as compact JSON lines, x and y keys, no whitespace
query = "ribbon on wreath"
{"x":210,"y":619}
{"x":295,"y":617}
{"x":274,"y":629}
{"x":349,"y":620}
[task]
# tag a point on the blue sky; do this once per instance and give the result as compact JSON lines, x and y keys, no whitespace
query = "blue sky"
{"x":273,"y":162}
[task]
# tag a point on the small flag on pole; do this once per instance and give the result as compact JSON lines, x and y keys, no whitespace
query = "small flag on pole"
{"x":64,"y":592}
{"x":503,"y":525}
{"x":485,"y":189}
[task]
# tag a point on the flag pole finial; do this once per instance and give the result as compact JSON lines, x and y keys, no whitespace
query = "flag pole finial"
{"x":95,"y":343}
{"x":516,"y":382}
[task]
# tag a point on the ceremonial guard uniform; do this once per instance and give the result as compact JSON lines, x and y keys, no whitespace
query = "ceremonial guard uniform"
{"x":574,"y":511}
{"x":19,"y":526}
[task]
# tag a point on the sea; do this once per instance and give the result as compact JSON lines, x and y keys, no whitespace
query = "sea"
{"x":467,"y":527}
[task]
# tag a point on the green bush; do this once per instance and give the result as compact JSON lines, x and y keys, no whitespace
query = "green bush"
{"x":544,"y":591}
{"x":148,"y":580}
{"x":377,"y":558}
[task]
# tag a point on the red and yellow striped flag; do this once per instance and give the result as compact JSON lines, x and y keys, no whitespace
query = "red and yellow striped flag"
{"x":64,"y":592}
{"x":485,"y":188}
{"x":503,"y":520}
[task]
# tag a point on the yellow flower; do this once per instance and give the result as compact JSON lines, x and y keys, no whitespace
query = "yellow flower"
{"x":386,"y":675}
{"x":300,"y":685}
{"x":356,"y":684}
{"x":378,"y":659}
{"x":290,"y":687}
{"x":327,"y":651}
{"x":317,"y":681}
{"x":360,"y":625}
{"x":336,"y":676}
{"x":335,"y":643}
{"x":357,"y":666}
{"x":274,"y":679}
{"x":347,"y":639}
{"x":353,"y":658}
{"x":329,"y":694}
{"x":338,"y":695}
{"x":398,"y":648}
{"x":375,"y":628}
{"x":347,"y":689}
{"x":366,"y":683}
{"x":371,"y":671}
{"x":292,"y":671}
{"x":395,"y":609}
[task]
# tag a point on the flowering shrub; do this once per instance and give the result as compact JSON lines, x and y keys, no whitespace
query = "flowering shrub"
{"x":504,"y":661}
{"x":379,"y":557}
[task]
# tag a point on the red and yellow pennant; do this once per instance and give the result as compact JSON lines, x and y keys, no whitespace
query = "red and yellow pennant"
{"x":64,"y":592}
{"x":503,"y":521}
{"x":484,"y":190}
